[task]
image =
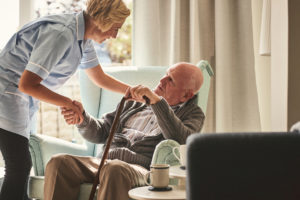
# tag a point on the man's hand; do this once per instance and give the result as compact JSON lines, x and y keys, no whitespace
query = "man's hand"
{"x":138,"y":92}
{"x":73,"y":115}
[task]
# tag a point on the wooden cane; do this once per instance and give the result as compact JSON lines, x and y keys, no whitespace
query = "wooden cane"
{"x":108,"y":143}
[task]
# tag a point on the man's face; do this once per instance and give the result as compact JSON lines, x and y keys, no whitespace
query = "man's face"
{"x":172,"y":86}
{"x":98,"y":36}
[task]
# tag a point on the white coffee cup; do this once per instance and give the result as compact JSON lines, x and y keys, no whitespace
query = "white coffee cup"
{"x":159,"y":176}
{"x":182,"y":154}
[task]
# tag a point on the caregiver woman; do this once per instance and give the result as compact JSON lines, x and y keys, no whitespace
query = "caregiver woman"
{"x":40,"y":58}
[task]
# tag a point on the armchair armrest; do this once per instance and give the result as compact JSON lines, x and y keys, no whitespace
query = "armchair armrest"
{"x":163,"y":153}
{"x":42,"y":148}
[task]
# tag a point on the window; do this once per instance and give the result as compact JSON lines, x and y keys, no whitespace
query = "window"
{"x":112,"y":52}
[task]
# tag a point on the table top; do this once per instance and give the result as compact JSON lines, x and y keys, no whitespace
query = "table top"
{"x":142,"y":193}
{"x":177,"y":172}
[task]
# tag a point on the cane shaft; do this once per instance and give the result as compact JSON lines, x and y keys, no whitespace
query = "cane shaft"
{"x":106,"y":150}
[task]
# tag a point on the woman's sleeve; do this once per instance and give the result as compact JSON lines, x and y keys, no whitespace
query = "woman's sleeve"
{"x":50,"y":47}
{"x":89,"y":57}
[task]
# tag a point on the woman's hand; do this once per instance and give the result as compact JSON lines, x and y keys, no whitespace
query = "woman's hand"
{"x":73,"y":114}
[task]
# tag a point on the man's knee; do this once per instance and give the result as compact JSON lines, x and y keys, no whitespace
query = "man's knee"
{"x":57,"y":162}
{"x":114,"y":169}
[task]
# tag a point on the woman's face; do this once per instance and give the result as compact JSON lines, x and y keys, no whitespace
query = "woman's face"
{"x":98,"y":36}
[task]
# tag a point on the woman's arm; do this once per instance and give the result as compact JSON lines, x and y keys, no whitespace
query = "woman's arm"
{"x":101,"y":79}
{"x":30,"y":84}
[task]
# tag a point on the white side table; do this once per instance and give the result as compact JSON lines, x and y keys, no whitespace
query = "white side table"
{"x":180,"y":174}
{"x":177,"y":193}
{"x":142,"y":193}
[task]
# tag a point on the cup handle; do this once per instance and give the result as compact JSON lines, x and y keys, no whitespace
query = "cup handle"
{"x":146,"y":177}
{"x":174,"y":153}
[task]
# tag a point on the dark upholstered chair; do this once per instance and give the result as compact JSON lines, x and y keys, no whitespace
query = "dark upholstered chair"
{"x":243,"y":166}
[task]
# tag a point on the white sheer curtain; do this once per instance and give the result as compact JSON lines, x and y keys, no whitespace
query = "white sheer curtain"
{"x":265,"y":33}
{"x":168,"y":31}
{"x":220,"y":31}
{"x":236,"y":94}
{"x":151,"y":32}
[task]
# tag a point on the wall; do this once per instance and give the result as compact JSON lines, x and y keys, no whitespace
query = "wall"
{"x":294,"y":62}
{"x":285,"y":70}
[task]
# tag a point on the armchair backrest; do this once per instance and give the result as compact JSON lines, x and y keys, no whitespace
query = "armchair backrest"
{"x":204,"y":90}
{"x":97,"y":101}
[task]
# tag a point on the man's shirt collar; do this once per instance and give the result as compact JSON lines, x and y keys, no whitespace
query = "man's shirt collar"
{"x":180,"y":105}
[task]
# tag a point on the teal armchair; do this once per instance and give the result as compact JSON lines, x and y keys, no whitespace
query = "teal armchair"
{"x":97,"y":101}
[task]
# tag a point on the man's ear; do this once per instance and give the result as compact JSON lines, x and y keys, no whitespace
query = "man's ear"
{"x":188,"y":95}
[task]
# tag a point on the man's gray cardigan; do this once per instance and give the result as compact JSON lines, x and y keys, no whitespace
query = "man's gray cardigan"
{"x":178,"y":125}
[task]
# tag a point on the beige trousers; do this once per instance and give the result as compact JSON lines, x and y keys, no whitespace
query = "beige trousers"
{"x":64,"y":174}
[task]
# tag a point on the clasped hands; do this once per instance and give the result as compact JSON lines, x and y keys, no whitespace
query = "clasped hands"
{"x":74,"y":113}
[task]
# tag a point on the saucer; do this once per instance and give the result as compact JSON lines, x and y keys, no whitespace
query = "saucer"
{"x":159,"y":189}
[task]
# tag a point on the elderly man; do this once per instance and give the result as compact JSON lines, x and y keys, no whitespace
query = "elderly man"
{"x":172,"y":114}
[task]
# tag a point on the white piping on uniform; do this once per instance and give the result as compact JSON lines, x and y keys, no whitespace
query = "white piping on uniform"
{"x":43,"y":68}
{"x":89,"y":60}
{"x":17,"y":95}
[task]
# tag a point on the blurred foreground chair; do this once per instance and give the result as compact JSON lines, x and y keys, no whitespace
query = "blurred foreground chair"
{"x":248,"y":166}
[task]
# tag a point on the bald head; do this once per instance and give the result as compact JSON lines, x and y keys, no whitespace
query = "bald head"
{"x":181,"y":83}
{"x":191,"y":75}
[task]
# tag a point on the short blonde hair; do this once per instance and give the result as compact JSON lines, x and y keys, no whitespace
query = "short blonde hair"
{"x":107,"y":12}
